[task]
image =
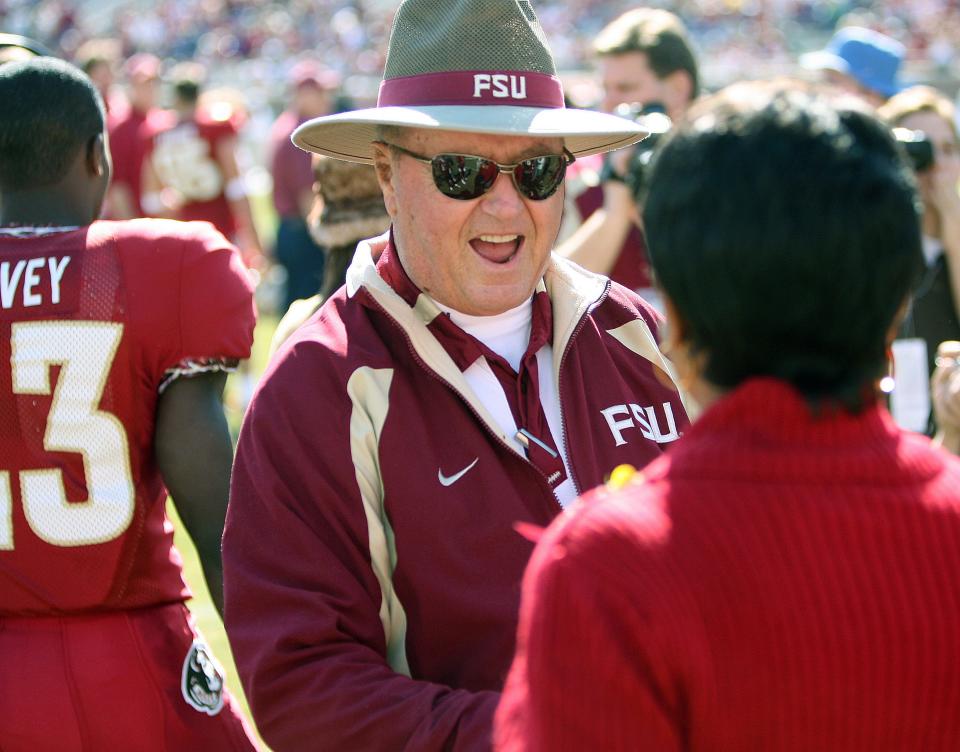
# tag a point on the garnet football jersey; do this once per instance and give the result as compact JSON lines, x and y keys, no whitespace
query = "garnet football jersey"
{"x":185,"y":158}
{"x":92,"y":323}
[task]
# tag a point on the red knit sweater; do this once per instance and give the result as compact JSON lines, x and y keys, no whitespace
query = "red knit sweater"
{"x":776,"y":582}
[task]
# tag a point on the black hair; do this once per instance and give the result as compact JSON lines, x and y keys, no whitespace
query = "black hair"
{"x":53,"y":112}
{"x":784,"y":226}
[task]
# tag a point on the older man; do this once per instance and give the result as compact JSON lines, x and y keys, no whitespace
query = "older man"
{"x":464,"y":382}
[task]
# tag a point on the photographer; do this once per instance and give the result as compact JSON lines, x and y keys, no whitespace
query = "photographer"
{"x":933,"y":315}
{"x":645,"y":58}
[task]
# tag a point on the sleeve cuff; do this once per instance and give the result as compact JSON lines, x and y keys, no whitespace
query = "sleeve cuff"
{"x":194,"y":366}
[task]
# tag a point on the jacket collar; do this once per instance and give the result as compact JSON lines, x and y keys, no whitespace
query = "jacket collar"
{"x":573,"y":293}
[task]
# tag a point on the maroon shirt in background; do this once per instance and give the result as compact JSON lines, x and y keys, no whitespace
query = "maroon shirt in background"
{"x":289,"y":166}
{"x":775,"y":582}
{"x":188,"y":149}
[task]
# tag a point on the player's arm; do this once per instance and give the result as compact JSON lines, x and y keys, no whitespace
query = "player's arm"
{"x":214,"y":331}
{"x":194,"y":454}
{"x":235,"y":191}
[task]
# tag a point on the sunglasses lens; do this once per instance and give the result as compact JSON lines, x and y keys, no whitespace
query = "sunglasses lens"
{"x":463,"y":177}
{"x":539,"y":178}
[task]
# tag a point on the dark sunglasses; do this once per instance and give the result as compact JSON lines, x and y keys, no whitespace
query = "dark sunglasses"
{"x":465,"y":176}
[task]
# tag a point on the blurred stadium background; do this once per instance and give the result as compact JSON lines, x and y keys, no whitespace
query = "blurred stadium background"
{"x":249,"y":46}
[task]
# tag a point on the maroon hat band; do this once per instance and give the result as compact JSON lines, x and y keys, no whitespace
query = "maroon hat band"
{"x":516,"y":88}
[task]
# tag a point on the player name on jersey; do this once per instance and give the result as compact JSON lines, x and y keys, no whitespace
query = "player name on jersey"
{"x":36,"y":284}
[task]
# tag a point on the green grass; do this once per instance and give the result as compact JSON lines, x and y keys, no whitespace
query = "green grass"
{"x":208,"y":621}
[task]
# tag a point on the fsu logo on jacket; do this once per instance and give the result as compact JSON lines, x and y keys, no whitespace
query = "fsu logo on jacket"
{"x":202,"y":680}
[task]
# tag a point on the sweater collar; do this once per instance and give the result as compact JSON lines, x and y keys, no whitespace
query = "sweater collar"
{"x":774,"y":409}
{"x":765,"y":430}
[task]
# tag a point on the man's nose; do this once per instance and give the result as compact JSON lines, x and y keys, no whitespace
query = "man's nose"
{"x":503,"y":198}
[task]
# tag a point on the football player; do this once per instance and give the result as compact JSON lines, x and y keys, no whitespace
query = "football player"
{"x":192,"y":171}
{"x":115,"y":340}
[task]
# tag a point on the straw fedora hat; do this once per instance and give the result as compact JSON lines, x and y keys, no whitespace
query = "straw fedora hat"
{"x":478,"y":66}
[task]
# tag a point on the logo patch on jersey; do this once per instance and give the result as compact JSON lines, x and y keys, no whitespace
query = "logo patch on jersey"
{"x":202,"y":680}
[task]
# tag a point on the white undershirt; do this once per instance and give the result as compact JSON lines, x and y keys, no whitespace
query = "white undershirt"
{"x":508,"y":335}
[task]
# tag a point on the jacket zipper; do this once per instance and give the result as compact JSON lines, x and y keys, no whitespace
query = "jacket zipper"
{"x":560,"y":383}
{"x":480,"y":420}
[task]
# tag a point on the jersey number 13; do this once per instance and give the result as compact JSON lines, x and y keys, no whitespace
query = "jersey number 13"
{"x":84,"y":350}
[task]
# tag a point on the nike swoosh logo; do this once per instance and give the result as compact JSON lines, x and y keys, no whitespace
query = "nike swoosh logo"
{"x":449,"y":480}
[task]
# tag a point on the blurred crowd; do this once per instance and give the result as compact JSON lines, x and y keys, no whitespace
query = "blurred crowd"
{"x":256,"y":43}
{"x":252,"y":46}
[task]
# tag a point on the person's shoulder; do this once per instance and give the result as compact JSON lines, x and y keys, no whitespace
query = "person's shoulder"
{"x":122,"y":124}
{"x":216,"y":127}
{"x":633,"y":305}
{"x":334,"y":338}
{"x":306,"y":378}
{"x":193,"y":257}
{"x":165,"y":233}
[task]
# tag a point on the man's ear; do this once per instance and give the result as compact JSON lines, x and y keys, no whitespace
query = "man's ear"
{"x":383,"y":164}
{"x":98,"y":158}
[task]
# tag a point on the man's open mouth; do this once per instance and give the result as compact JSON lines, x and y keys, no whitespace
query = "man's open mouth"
{"x":497,"y":248}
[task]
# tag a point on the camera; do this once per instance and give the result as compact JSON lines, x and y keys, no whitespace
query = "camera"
{"x":653,"y":118}
{"x":918,"y":146}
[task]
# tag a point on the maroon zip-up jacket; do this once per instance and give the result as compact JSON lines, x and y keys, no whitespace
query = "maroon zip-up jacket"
{"x":371,"y":602}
